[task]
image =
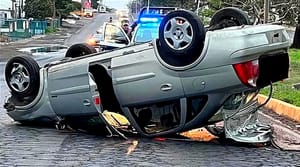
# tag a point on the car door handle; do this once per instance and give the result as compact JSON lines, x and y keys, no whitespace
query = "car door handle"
{"x":86,"y":102}
{"x":166,"y":87}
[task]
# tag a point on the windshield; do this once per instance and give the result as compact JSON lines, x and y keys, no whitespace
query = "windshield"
{"x":146,"y":33}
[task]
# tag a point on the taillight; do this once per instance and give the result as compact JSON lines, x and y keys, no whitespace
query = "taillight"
{"x":97,"y":100}
{"x":247,"y":72}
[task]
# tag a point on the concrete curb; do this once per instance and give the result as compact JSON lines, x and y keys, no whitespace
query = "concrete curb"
{"x":281,"y":108}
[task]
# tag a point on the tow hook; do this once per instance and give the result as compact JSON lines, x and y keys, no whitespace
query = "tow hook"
{"x":60,"y":124}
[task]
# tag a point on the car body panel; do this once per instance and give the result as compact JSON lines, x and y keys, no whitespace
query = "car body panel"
{"x":71,"y":85}
{"x":129,"y":83}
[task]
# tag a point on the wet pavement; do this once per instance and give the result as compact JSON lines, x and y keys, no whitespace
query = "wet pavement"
{"x":45,"y":146}
{"x":30,"y":146}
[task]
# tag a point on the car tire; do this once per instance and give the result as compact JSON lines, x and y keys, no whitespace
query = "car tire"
{"x":228,"y":17}
{"x":181,"y":38}
{"x":80,"y":49}
{"x":22,"y":76}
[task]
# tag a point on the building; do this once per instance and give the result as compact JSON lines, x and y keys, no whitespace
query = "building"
{"x":11,"y":9}
{"x":11,"y":14}
{"x":5,"y":10}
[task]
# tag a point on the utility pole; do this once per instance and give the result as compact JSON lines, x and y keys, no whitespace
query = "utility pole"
{"x":198,"y":5}
{"x":13,"y":10}
{"x":136,"y":8}
{"x":82,"y":2}
{"x":266,"y":11}
{"x":148,"y":3}
{"x":19,"y":10}
{"x":54,"y":9}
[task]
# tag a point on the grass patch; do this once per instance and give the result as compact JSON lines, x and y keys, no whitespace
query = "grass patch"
{"x":284,"y":90}
{"x":50,"y":30}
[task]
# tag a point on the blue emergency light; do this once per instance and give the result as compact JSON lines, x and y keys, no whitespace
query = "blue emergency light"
{"x":149,"y":19}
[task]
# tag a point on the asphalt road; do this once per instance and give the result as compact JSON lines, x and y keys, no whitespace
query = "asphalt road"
{"x":88,"y":29}
{"x":46,"y":146}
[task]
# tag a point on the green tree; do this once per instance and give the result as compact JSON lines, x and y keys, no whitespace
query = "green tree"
{"x":38,"y":9}
{"x":94,"y":4}
{"x":64,"y":7}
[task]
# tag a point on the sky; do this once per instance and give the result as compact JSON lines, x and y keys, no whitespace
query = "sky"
{"x":117,"y":4}
{"x":5,"y":4}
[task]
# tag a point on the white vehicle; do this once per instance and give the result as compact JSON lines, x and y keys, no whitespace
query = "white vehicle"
{"x":88,"y":13}
{"x":101,"y":9}
{"x":173,"y":84}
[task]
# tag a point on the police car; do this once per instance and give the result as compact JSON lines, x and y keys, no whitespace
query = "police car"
{"x":144,"y":29}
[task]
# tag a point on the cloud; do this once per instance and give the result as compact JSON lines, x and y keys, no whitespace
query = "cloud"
{"x":118,"y":4}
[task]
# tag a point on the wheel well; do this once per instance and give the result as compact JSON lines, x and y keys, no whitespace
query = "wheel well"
{"x":103,"y":80}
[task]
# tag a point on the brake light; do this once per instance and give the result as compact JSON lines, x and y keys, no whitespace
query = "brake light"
{"x":97,"y":100}
{"x":247,"y":72}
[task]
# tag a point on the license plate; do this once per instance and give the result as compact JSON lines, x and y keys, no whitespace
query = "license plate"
{"x":273,"y":68}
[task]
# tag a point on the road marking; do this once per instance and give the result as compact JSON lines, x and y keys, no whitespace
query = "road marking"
{"x":78,"y":31}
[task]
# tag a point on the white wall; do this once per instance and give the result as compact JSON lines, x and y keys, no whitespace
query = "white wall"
{"x":5,"y":4}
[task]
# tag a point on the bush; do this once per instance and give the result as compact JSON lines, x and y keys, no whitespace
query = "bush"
{"x":50,"y":30}
{"x":206,"y":15}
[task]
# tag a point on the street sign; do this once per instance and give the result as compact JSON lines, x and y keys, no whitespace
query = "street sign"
{"x":87,"y":4}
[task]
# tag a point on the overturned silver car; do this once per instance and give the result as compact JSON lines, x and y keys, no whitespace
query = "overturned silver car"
{"x":190,"y":77}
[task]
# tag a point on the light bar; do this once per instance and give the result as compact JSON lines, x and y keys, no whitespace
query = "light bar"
{"x":149,"y":19}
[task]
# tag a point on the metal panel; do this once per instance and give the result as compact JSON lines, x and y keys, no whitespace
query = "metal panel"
{"x":140,"y":78}
{"x":69,"y":89}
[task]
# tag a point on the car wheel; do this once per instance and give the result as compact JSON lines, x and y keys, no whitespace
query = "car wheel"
{"x":228,"y":17}
{"x":80,"y":49}
{"x":181,"y":38}
{"x":22,"y":76}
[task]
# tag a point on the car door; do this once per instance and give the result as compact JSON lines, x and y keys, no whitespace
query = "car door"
{"x":138,"y":78}
{"x":72,"y":90}
{"x":114,"y":37}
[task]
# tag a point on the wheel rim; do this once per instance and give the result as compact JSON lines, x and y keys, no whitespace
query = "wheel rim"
{"x":19,"y":79}
{"x":178,"y":33}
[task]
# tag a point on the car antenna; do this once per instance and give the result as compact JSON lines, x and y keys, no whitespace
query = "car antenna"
{"x":148,"y":7}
